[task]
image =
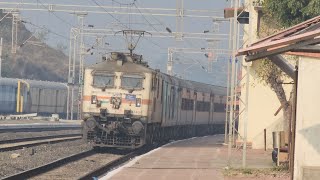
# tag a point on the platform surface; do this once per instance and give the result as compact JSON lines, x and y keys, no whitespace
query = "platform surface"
{"x":200,"y":158}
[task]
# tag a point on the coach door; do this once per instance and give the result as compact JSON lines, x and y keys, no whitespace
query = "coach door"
{"x":210,"y":120}
{"x":194,"y":114}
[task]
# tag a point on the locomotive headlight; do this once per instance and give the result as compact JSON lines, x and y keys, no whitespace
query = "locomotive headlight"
{"x":94,"y":99}
{"x":90,"y":123}
{"x":138,"y":102}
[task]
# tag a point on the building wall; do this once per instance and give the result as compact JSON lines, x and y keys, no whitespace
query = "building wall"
{"x":307,"y":149}
{"x":263,"y":102}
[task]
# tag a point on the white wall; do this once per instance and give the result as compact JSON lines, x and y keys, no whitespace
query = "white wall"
{"x":307,"y":149}
{"x":263,"y":102}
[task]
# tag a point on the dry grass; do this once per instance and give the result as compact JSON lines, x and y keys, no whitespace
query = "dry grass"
{"x":250,"y":172}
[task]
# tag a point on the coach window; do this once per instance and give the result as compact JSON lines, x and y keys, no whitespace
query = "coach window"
{"x":103,"y":80}
{"x":132,"y":81}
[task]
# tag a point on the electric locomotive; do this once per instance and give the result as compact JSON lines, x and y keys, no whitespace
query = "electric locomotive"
{"x":126,"y":104}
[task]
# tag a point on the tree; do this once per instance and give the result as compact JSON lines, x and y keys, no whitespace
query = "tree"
{"x":42,"y":35}
{"x":61,"y":47}
{"x":279,"y":14}
{"x":291,"y":12}
{"x":269,"y":74}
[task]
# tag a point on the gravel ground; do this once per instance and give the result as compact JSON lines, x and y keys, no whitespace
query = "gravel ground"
{"x":42,"y":154}
{"x":17,"y":135}
{"x":79,"y":168}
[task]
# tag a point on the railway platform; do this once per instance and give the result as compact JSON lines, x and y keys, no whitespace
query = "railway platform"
{"x":196,"y":158}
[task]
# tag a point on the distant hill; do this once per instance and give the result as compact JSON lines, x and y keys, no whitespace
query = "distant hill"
{"x":31,"y":61}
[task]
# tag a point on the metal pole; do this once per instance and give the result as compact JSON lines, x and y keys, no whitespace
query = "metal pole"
{"x":69,"y":73}
{"x":228,"y":84}
{"x":245,"y":121}
{"x":234,"y":44}
{"x":170,"y":62}
{"x":179,"y":19}
{"x":14,"y":33}
{"x":236,"y":82}
{"x":1,"y":57}
{"x":81,"y":67}
{"x":227,"y":103}
{"x":73,"y":73}
{"x":235,"y":100}
{"x":294,"y":123}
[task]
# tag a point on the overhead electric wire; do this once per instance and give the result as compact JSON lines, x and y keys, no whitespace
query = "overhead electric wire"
{"x":180,"y":55}
{"x":44,"y":28}
{"x":151,"y":41}
{"x":124,"y":4}
{"x":160,"y":22}
{"x":124,"y":25}
{"x":64,"y":21}
{"x":11,"y":11}
{"x":95,"y":2}
{"x":58,"y":17}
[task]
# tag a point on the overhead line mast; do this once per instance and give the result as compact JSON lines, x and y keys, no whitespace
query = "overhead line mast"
{"x":77,"y":34}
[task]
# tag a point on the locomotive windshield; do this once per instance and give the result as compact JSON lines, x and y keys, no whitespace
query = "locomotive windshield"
{"x":103,"y":80}
{"x":132,"y":81}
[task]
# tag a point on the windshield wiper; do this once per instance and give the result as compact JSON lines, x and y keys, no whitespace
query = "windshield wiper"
{"x":108,"y":83}
{"x":138,"y":83}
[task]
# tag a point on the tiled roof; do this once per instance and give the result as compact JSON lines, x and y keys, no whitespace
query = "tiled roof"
{"x":305,"y":33}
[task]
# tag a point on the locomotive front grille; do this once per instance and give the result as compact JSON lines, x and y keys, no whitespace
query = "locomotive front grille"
{"x":111,"y":140}
{"x":115,"y":140}
{"x":90,"y":135}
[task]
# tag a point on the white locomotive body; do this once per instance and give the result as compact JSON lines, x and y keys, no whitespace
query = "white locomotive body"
{"x":126,"y":104}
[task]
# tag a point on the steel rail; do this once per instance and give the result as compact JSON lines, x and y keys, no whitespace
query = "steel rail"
{"x":8,"y":141}
{"x":37,"y":129}
{"x":103,"y":170}
{"x":49,"y":166}
{"x":19,"y":145}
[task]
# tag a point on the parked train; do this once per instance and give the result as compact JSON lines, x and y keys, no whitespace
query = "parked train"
{"x":19,"y":96}
{"x":126,"y":104}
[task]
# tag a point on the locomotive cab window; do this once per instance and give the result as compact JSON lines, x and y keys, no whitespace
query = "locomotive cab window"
{"x":103,"y":80}
{"x":132,"y":81}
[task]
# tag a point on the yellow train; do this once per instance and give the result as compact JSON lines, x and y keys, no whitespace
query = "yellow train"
{"x":126,"y":104}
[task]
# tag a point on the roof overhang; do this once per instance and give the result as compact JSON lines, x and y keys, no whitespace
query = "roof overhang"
{"x":301,"y":39}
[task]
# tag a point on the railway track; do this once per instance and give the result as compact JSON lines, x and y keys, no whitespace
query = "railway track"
{"x":13,"y":144}
{"x":4,"y":128}
{"x":84,"y":165}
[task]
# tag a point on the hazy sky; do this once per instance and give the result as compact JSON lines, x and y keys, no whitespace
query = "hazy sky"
{"x":153,"y":49}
